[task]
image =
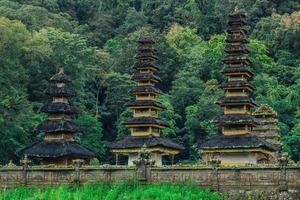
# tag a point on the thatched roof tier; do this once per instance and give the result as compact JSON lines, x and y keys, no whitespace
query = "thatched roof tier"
{"x":236,"y":99}
{"x":146,"y":39}
{"x":240,"y":69}
{"x":236,"y":59}
{"x":60,"y":91}
{"x":52,"y":126}
{"x":55,"y":149}
{"x":145,"y":103}
{"x":146,"y":55}
{"x":60,"y":78}
{"x":236,"y":28}
{"x":146,"y":48}
{"x":237,"y":21}
{"x":236,"y":119}
{"x":237,"y":84}
{"x":140,"y":65}
{"x":59,"y":108}
{"x":145,"y":120}
{"x":238,"y":14}
{"x":145,"y":76}
{"x":229,"y":48}
{"x":236,"y":38}
{"x":145,"y":89}
{"x":136,"y":142}
{"x":265,"y":110}
{"x":236,"y":141}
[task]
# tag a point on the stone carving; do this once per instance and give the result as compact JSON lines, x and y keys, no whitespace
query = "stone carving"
{"x":143,"y":164}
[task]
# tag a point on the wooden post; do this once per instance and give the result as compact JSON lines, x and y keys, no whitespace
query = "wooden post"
{"x":117,"y":159}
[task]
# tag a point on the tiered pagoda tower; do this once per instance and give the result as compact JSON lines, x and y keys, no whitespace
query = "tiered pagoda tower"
{"x":268,"y":129}
{"x":145,"y":125}
{"x":58,"y":146}
{"x":237,"y":145}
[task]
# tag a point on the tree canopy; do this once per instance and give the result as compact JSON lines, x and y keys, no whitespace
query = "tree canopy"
{"x":95,"y":41}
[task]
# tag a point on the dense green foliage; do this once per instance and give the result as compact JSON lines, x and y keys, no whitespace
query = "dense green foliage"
{"x":95,"y":42}
{"x":119,"y":191}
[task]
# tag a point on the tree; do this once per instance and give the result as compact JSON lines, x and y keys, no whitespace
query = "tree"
{"x":50,"y":49}
{"x":199,"y":116}
{"x":91,"y":135}
{"x":16,"y":116}
{"x":170,"y":116}
{"x":186,"y":89}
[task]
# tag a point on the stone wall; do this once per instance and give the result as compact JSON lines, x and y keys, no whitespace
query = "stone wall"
{"x":261,"y":179}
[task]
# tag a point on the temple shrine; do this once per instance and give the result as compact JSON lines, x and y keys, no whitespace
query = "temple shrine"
{"x":237,"y":145}
{"x":145,"y":125}
{"x":58,"y":146}
{"x":268,"y":129}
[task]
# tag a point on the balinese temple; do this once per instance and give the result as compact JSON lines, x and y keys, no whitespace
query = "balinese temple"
{"x":268,"y":129}
{"x":237,"y":145}
{"x":145,"y":125}
{"x":58,"y":146}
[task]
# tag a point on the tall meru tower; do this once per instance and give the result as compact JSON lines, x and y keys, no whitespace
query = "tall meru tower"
{"x":145,"y":125}
{"x":58,"y":146}
{"x":237,"y":145}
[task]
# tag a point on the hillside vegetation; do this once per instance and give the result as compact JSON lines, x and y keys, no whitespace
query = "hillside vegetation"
{"x":95,"y":41}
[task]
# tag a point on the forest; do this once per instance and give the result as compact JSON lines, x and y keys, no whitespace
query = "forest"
{"x":95,"y":42}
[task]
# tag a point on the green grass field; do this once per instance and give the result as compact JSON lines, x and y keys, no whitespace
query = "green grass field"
{"x":118,"y":191}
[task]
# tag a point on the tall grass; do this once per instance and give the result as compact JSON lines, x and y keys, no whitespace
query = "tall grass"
{"x":116,"y":191}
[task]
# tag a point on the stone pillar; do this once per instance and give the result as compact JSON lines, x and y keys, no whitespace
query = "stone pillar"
{"x":283,"y":184}
{"x":77,"y":164}
{"x":215,"y":163}
{"x":143,"y":164}
{"x":25,"y":164}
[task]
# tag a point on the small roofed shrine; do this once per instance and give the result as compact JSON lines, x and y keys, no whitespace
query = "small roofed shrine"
{"x":58,"y":146}
{"x":268,"y":129}
{"x":145,"y":125}
{"x":237,"y":145}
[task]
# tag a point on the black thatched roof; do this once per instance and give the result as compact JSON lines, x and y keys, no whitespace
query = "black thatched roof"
{"x":236,"y":141}
{"x":146,"y":39}
{"x":236,"y":84}
{"x":235,"y":28}
{"x":236,"y":99}
{"x":144,"y":103}
{"x":236,"y":38}
{"x":146,"y":47}
{"x":240,"y":69}
{"x":145,"y":76}
{"x":139,"y":65}
{"x":145,"y":88}
{"x":145,"y":120}
{"x":59,"y":108}
{"x":236,"y":59}
{"x":56,"y":148}
{"x":237,"y":21}
{"x":60,"y":91}
{"x":146,"y":55}
{"x":238,"y":14}
{"x":60,"y":77}
{"x":51,"y":126}
{"x":236,"y":119}
{"x":229,"y":48}
{"x":136,"y":142}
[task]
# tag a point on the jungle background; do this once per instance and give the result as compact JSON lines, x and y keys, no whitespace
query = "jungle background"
{"x":95,"y":41}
